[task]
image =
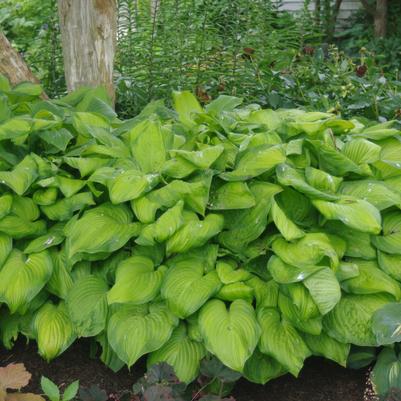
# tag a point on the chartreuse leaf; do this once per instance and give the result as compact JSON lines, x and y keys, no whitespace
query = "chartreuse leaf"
{"x":61,"y":280}
{"x":244,"y":226}
{"x":86,"y":165}
{"x":323,"y":345}
{"x":147,"y":146}
{"x":232,"y":335}
{"x":180,"y":352}
{"x":351,"y":320}
{"x":376,"y":193}
{"x":137,"y":281}
{"x":287,"y":228}
{"x":232,"y":195}
{"x":165,"y":226}
{"x":186,"y":105}
{"x":233,"y":291}
{"x":45,"y":197}
{"x":390,"y":241}
{"x":6,"y":202}
{"x":186,"y":287}
{"x":54,"y":330}
{"x":25,"y":208}
{"x":371,"y":280}
{"x":284,"y":273}
{"x":228,"y":274}
{"x":105,"y":228}
{"x":108,"y":356}
{"x":355,"y":213}
{"x":281,"y":341}
{"x":194,"y":234}
{"x":6,"y":246}
{"x":55,"y":236}
{"x":389,"y":164}
{"x":321,"y":180}
{"x":255,"y":161}
{"x":149,"y":327}
{"x":201,"y":159}
{"x":390,"y":264}
{"x":87,"y":306}
{"x":22,"y":277}
{"x":21,"y":177}
{"x":361,"y":151}
{"x":324,"y":289}
{"x":260,"y":368}
{"x":379,"y":131}
{"x":16,"y":227}
{"x":308,"y":251}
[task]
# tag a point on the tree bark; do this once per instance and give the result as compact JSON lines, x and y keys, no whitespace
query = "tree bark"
{"x":12,"y":65}
{"x":88,"y":34}
{"x":380,"y":18}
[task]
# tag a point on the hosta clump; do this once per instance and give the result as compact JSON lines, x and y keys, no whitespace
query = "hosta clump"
{"x":261,"y":237}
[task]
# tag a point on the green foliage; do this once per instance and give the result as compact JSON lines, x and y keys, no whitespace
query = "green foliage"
{"x":274,"y":236}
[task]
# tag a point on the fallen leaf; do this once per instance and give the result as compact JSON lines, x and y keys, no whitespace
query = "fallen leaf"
{"x":14,"y":376}
{"x":24,"y":397}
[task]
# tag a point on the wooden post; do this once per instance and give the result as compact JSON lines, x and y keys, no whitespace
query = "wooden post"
{"x":88,"y":34}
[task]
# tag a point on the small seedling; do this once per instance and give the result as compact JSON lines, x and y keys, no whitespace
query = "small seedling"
{"x":52,"y":391}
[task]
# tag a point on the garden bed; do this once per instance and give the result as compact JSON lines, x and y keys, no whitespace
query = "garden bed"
{"x":320,"y":380}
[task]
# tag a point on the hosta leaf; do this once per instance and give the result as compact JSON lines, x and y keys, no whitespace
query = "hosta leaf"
{"x":186,"y":106}
{"x":355,"y":213}
{"x":260,"y":368}
{"x":284,"y":273}
{"x":371,"y":280}
{"x":379,"y":131}
{"x":287,"y":228}
{"x":105,"y":228}
{"x":143,"y":137}
{"x":61,"y":280}
{"x":233,"y":291}
{"x":386,"y":324}
{"x":323,"y":345}
{"x":244,"y":226}
{"x":150,"y":327}
{"x":375,"y":192}
{"x":22,"y":277}
{"x":186,"y":288}
{"x":87,"y":306}
{"x":351,"y":320}
{"x":45,"y":197}
{"x":16,"y":227}
{"x":194,"y":234}
{"x":308,"y":251}
{"x":357,"y":243}
{"x":201,"y":159}
{"x":389,"y":164}
{"x":86,"y":165}
{"x":228,"y":275}
{"x":165,"y":226}
{"x":390,"y":264}
{"x":232,"y":195}
{"x":6,"y":246}
{"x":108,"y":356}
{"x":54,"y":331}
{"x":55,"y":236}
{"x":255,"y":161}
{"x":321,"y":180}
{"x":324,"y":289}
{"x":390,"y":241}
{"x":231,"y":335}
{"x":21,"y":177}
{"x":281,"y":341}
{"x":6,"y":202}
{"x":386,"y":374}
{"x":361,"y":151}
{"x":289,"y":176}
{"x":137,"y":281}
{"x":180,"y":352}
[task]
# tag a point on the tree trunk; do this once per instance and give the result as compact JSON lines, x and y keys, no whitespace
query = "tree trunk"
{"x":12,"y":65}
{"x":380,"y":18}
{"x":88,"y":34}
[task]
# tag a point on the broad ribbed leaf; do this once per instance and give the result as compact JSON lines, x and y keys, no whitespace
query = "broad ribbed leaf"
{"x":371,"y":280}
{"x":386,"y":374}
{"x":22,"y":277}
{"x":287,"y":228}
{"x":232,"y":195}
{"x":137,"y":281}
{"x":232,"y":335}
{"x":186,"y":106}
{"x":21,"y":177}
{"x":280,"y":340}
{"x":355,"y":213}
{"x":55,"y":236}
{"x":323,"y":345}
{"x":228,"y":274}
{"x":390,"y":241}
{"x":255,"y":161}
{"x":324,"y":289}
{"x":180,"y":352}
{"x":390,"y":264}
{"x":260,"y":368}
{"x":87,"y":306}
{"x":54,"y":331}
{"x":351,"y":320}
{"x":6,"y":246}
{"x":201,"y":159}
{"x":386,"y":324}
{"x":186,"y":287}
{"x":321,"y":180}
{"x":194,"y":234}
{"x":149,"y":328}
{"x":105,"y":228}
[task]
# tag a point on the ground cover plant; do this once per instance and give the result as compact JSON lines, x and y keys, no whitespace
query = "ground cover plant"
{"x":260,"y":237}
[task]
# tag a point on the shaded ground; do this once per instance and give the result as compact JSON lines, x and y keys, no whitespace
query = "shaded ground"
{"x":320,"y":380}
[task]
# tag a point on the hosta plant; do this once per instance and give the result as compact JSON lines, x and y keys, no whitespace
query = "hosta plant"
{"x":259,"y":237}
